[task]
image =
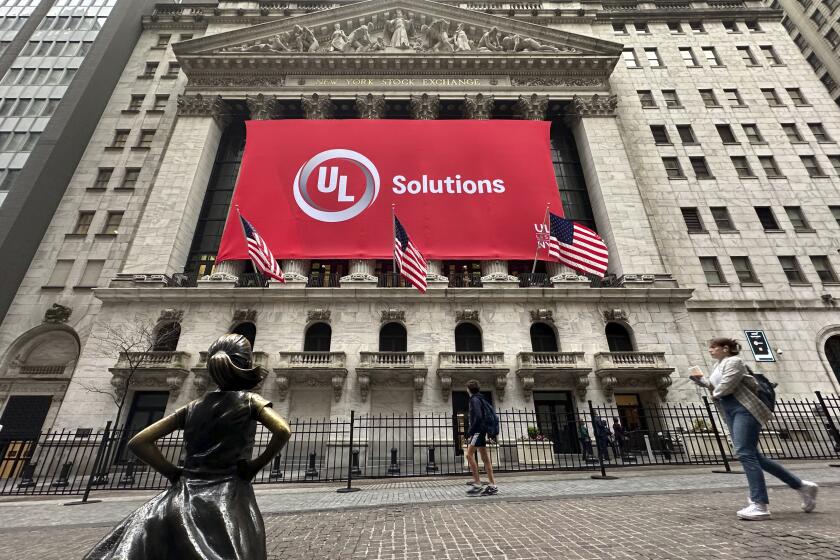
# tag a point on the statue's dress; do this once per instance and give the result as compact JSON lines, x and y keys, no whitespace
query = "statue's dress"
{"x":210,"y":512}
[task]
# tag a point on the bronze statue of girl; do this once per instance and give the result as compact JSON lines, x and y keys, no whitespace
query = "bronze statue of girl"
{"x":210,"y":510}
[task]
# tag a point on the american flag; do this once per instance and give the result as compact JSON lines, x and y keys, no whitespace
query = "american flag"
{"x":410,"y":262}
{"x":260,"y":253}
{"x":577,"y":247}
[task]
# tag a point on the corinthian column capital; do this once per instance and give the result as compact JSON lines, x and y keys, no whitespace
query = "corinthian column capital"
{"x":317,"y":106}
{"x":533,"y":107}
{"x":262,"y":107}
{"x":425,"y":107}
{"x":594,"y":106}
{"x":479,"y":106}
{"x":370,"y":106}
{"x":200,"y":106}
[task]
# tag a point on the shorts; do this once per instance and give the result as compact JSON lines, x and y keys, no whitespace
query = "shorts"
{"x":478,"y":440}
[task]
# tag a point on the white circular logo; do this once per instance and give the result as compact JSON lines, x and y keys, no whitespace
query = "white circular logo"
{"x":330,"y":180}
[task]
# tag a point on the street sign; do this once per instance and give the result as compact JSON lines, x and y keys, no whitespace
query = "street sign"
{"x":760,"y":347}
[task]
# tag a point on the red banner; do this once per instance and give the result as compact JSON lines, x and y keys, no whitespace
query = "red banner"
{"x":462,"y":189}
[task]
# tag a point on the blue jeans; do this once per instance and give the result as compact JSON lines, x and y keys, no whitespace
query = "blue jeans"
{"x":745,"y":429}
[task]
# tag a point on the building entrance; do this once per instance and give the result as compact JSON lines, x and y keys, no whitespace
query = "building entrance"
{"x":556,"y":419}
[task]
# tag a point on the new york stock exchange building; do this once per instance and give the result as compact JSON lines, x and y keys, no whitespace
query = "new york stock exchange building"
{"x":692,"y":136}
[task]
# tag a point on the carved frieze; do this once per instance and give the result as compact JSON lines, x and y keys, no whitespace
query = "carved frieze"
{"x":245,"y":315}
{"x":262,"y":107}
{"x":370,"y":106}
{"x":615,"y":315}
{"x":238,"y":80}
{"x":389,"y":315}
{"x":542,"y":315}
{"x":594,"y":106}
{"x":314,"y":315}
{"x":532,"y":107}
{"x":200,"y":106}
{"x":171,"y":315}
{"x":558,"y":81}
{"x":479,"y":106}
{"x":57,"y":314}
{"x":425,"y":107}
{"x":317,"y":106}
{"x":467,"y":315}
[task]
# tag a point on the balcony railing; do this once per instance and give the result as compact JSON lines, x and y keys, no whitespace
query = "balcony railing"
{"x":162,"y":359}
{"x":630,"y":360}
{"x":535,"y":280}
{"x":41,"y":370}
{"x":465,"y":280}
{"x":324,"y":281}
{"x":549,"y":360}
{"x":468,"y":360}
{"x":313,"y":360}
{"x":392,"y":280}
{"x":388,"y":360}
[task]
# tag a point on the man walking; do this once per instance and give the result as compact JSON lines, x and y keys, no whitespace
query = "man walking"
{"x":483,"y":424}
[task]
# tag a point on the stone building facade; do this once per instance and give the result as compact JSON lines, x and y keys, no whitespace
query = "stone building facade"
{"x":705,"y":159}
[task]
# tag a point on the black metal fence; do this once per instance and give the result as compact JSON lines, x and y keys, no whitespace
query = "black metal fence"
{"x":80,"y":461}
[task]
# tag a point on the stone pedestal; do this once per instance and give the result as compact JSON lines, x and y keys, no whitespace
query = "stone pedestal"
{"x":361,"y":275}
{"x":495,"y":274}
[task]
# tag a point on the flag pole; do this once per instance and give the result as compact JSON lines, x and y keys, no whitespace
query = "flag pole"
{"x":245,"y":236}
{"x":537,"y":252}
{"x":393,"y":237}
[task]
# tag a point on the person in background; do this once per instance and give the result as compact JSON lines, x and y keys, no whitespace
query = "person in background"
{"x":602,"y":438}
{"x":736,"y":392}
{"x":481,"y":416}
{"x":585,"y":442}
{"x":620,"y":436}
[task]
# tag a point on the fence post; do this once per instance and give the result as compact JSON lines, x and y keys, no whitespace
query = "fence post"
{"x":834,"y":434}
{"x":350,"y":487}
{"x":726,"y":466}
{"x":94,"y":473}
{"x":603,"y":475}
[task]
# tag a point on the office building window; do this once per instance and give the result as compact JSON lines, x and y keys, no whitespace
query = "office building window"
{"x":747,"y":56}
{"x":819,"y":132}
{"x":172,"y":70}
{"x":630,"y":60}
{"x":688,"y":57}
{"x":163,"y":40}
{"x":641,"y":28}
{"x":130,"y":178}
{"x":767,"y":218}
{"x":812,"y":166}
{"x":660,"y":134}
{"x":136,"y":102}
{"x":652,"y":56}
{"x":744,"y":270}
{"x":742,"y":166}
{"x":146,"y":138}
{"x":619,"y":29}
{"x":796,"y":96}
{"x":59,"y":275}
{"x":709,"y":99}
{"x":120,"y":138}
{"x":83,"y":223}
{"x":723,"y":220}
{"x":797,"y":218}
{"x":752,"y":25}
{"x":730,"y":26}
{"x":770,"y":54}
{"x":711,"y":56}
{"x":792,"y":132}
{"x":753,"y":134}
{"x":835,"y":213}
{"x":646,"y":98}
{"x":673,"y":168}
{"x":693,"y":223}
{"x":103,"y":177}
{"x":112,"y":223}
{"x":91,"y":274}
{"x":726,"y":134}
{"x":835,"y":164}
{"x":160,"y":102}
{"x":686,"y":134}
{"x":700,"y":167}
{"x":824,"y":269}
{"x":790,"y":265}
{"x":772,"y":97}
{"x":770,"y":167}
{"x":150,"y":70}
{"x":733,"y":97}
{"x":697,"y":26}
{"x":712,"y":271}
{"x":671,"y":98}
{"x":675,"y":27}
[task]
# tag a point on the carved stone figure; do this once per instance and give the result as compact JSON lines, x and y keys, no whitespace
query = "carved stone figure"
{"x":460,"y":39}
{"x":490,"y":40}
{"x":209,"y":511}
{"x":310,"y":43}
{"x":517,"y":43}
{"x":397,"y":31}
{"x":57,"y":314}
{"x":437,"y":36}
{"x":358,"y":40}
{"x":339,"y":38}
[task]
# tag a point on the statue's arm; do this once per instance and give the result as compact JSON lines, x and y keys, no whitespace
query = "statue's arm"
{"x":143,"y":444}
{"x":280,"y":434}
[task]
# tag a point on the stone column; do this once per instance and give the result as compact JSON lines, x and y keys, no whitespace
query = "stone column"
{"x":166,"y":228}
{"x":478,"y":106}
{"x":616,"y":201}
{"x":370,"y":106}
{"x":317,"y":106}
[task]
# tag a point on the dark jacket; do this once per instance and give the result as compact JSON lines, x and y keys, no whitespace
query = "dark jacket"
{"x":476,"y":410}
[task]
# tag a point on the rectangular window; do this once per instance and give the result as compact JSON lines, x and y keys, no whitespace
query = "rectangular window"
{"x":819,"y":132}
{"x":90,"y":277}
{"x":675,"y":27}
{"x":151,"y":68}
{"x":711,"y":56}
{"x":709,"y":99}
{"x":630,"y":60}
{"x":828,"y":81}
{"x":83,"y":223}
{"x":672,"y":168}
{"x":671,"y":98}
{"x":112,"y":223}
{"x":772,"y":97}
{"x":686,"y":134}
{"x":733,"y":97}
{"x":163,"y":40}
{"x":173,"y":69}
{"x":11,"y":76}
{"x":692,"y":220}
{"x":700,"y":167}
{"x":146,"y":137}
{"x":835,"y":212}
{"x":660,"y":134}
{"x":753,"y":25}
{"x":833,"y":38}
{"x":723,"y":220}
{"x":742,"y":166}
{"x":824,"y":269}
{"x":641,"y":28}
{"x":835,"y":163}
{"x":711,"y":268}
{"x":770,"y":167}
{"x":797,"y":218}
{"x":120,"y":138}
{"x":59,"y":275}
{"x":697,"y":26}
{"x":20,"y":108}
{"x":744,"y":270}
{"x":726,"y":134}
{"x":36,"y":108}
{"x":791,"y":267}
{"x":770,"y":54}
{"x":31,"y":141}
{"x":185,"y":37}
{"x":730,"y":26}
{"x":51,"y":106}
{"x":130,"y":178}
{"x":646,"y":98}
{"x":6,"y":107}
{"x":814,"y":62}
{"x":57,"y":47}
{"x":792,"y":133}
{"x":753,"y":134}
{"x":796,"y":96}
{"x":812,"y":166}
{"x":687,"y":56}
{"x":160,"y":102}
{"x":29,"y":49}
{"x":67,"y":76}
{"x":767,"y":218}
{"x":136,"y":102}
{"x":818,"y":18}
{"x":747,"y":56}
{"x":102,"y":178}
{"x":619,"y":29}
{"x":652,"y":56}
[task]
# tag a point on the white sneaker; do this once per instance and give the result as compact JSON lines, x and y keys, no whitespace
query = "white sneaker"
{"x":755,"y":512}
{"x":808,"y":491}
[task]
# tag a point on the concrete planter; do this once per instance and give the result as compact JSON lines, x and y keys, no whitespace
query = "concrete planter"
{"x":535,"y":453}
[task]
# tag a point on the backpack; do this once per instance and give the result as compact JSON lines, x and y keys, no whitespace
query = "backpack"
{"x":766,"y":392}
{"x":491,"y":419}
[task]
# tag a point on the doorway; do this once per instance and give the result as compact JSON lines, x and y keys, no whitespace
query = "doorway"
{"x":461,"y":417}
{"x":147,"y":407}
{"x":556,"y":419}
{"x":21,"y":423}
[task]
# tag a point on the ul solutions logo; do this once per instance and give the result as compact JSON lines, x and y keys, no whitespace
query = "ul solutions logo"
{"x":337,"y":184}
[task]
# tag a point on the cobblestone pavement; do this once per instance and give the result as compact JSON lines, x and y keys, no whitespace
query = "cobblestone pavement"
{"x":686,"y":514}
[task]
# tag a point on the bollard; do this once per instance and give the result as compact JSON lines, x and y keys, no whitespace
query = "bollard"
{"x":27,"y":475}
{"x":394,"y":468}
{"x":127,"y":478}
{"x":63,"y":476}
{"x":275,"y":471}
{"x":311,"y":471}
{"x":356,"y":468}
{"x":431,"y":466}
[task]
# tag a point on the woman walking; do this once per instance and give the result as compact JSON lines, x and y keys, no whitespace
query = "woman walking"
{"x":736,"y":391}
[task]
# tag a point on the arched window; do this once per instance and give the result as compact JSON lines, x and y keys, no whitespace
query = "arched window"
{"x":166,"y":337}
{"x":392,"y":338}
{"x":317,"y":338}
{"x":468,"y":338}
{"x":832,"y":352}
{"x":542,"y":338}
{"x":618,"y":339}
{"x":248,"y":330}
